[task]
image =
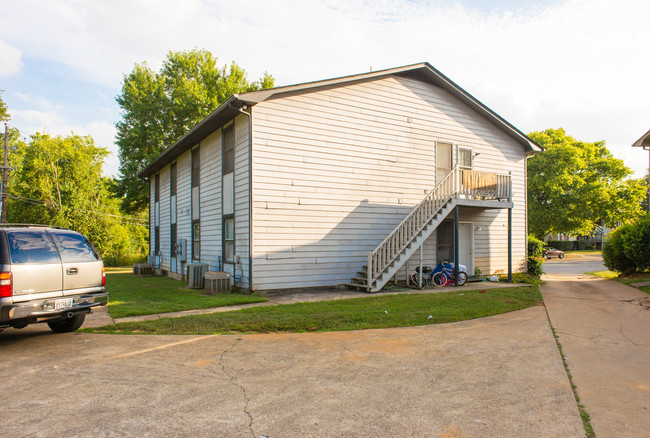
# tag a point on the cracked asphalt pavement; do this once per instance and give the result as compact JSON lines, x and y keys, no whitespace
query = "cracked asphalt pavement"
{"x":604,"y":329}
{"x":492,"y":377}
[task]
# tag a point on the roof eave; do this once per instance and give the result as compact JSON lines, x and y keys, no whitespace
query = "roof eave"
{"x":642,"y":142}
{"x":205,"y":127}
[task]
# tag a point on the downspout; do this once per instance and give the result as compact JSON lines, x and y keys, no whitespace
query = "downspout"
{"x":250,"y":192}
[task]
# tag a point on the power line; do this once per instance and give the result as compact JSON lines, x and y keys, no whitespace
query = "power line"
{"x":41,"y":202}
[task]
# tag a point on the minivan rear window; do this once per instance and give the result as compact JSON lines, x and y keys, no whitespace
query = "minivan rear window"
{"x":32,"y":246}
{"x":74,"y":247}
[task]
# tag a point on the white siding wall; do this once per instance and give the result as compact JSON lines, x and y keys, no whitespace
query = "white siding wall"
{"x":183,"y":204}
{"x":211,"y":199}
{"x":165,"y":223}
{"x":210,"y":203}
{"x":242,"y":199}
{"x":334,"y":171}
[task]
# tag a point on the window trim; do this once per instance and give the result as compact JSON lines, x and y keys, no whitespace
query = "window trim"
{"x":224,"y":240}
{"x":194,"y":240}
{"x":471,"y":157}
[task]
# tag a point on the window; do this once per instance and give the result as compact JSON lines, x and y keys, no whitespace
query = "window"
{"x":74,"y":247}
{"x":196,"y":166}
{"x":156,"y":184}
{"x":33,"y":246}
{"x":228,"y":150}
{"x":229,"y":239}
{"x":172,"y":179}
{"x":465,"y":157}
{"x":196,"y":240}
{"x":173,"y":240}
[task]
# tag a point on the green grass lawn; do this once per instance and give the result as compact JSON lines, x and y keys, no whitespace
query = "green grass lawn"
{"x":625,"y":279}
{"x":400,"y":310}
{"x":584,"y":252}
{"x":132,"y":295}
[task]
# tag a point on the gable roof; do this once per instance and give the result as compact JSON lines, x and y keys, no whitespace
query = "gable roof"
{"x":643,"y":142}
{"x":231,"y":108}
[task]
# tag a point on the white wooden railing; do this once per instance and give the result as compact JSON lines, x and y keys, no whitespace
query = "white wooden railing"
{"x":464,"y":183}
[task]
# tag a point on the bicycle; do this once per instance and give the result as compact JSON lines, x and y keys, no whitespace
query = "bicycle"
{"x":443,"y":275}
{"x":426,"y":276}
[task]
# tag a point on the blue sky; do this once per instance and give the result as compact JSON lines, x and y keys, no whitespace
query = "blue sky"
{"x":578,"y":64}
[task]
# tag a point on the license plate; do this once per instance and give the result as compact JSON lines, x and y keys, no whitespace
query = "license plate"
{"x":63,"y":304}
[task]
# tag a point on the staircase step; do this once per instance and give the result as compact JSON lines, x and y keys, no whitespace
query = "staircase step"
{"x":361,"y":280}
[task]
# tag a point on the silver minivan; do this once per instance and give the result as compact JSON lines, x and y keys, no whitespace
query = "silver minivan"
{"x":48,"y":274}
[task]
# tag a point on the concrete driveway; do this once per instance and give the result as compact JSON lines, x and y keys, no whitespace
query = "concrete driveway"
{"x":492,"y":377}
{"x":604,"y":329}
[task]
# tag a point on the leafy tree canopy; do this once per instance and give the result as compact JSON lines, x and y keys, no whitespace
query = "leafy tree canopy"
{"x":160,"y":107}
{"x":574,"y":186}
{"x":4,"y":114}
{"x":58,"y":181}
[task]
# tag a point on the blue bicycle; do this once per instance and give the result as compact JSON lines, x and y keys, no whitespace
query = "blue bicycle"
{"x":442,"y":275}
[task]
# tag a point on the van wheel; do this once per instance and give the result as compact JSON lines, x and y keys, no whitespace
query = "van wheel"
{"x":68,"y":325}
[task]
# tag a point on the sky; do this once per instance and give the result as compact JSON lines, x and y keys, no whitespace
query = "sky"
{"x":582,"y":65}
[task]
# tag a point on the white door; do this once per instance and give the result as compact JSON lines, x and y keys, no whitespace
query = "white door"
{"x":466,"y":246}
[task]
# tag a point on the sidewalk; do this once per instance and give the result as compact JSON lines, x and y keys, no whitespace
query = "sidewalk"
{"x":604,"y":329}
{"x":289,"y":296}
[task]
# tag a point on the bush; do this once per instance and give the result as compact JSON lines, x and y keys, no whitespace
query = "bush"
{"x":562,"y":245}
{"x":580,"y":245}
{"x":535,"y":259}
{"x":628,"y":248}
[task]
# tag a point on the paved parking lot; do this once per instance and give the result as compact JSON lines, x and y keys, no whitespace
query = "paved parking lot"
{"x":492,"y":377}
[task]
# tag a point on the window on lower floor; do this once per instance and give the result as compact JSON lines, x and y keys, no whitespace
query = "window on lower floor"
{"x":156,"y":241}
{"x":229,"y":239}
{"x":196,"y":240}
{"x":173,"y":240}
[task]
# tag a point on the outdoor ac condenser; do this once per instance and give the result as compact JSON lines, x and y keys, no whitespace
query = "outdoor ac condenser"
{"x":195,"y":273}
{"x":217,"y":282}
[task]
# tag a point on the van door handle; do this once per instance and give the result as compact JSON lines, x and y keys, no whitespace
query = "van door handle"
{"x":72,"y":271}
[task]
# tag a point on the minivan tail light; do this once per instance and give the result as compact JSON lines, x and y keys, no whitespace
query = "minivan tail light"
{"x":6,"y":286}
{"x":103,"y":276}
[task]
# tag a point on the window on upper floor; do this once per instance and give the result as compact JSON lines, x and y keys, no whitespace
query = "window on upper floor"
{"x":465,"y":157}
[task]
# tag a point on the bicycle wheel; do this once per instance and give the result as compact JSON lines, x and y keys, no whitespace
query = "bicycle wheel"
{"x":415,"y":278}
{"x":461,"y":279}
{"x":439,"y":279}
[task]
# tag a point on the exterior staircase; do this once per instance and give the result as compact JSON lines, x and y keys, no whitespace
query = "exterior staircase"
{"x":460,"y":185}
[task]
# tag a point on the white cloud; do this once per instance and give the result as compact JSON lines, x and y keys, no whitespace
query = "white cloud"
{"x":11,"y":60}
{"x":579,"y":64}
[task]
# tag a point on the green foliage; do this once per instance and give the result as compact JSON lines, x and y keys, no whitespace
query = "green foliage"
{"x":628,"y":248}
{"x":158,"y":108}
{"x":573,"y":185}
{"x":562,"y":245}
{"x":58,"y":181}
{"x":535,"y":259}
{"x":4,"y":114}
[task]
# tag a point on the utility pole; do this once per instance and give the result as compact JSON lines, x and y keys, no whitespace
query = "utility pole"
{"x":5,"y":170}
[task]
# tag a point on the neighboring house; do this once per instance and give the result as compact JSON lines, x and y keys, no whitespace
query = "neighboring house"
{"x":644,"y":142}
{"x":305,"y":185}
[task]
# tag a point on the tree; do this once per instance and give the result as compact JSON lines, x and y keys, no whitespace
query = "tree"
{"x":58,"y":181}
{"x":4,"y":114}
{"x":575,"y":185}
{"x":159,"y":108}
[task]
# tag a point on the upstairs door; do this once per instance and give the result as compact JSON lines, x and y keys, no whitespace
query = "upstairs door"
{"x":443,"y":161}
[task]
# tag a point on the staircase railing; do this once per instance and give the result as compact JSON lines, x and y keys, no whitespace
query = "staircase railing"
{"x":412,"y":224}
{"x":465,"y":183}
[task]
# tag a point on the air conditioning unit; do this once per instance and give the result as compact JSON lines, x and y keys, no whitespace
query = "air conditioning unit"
{"x":217,"y":282}
{"x":142,"y":269}
{"x":195,"y":273}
